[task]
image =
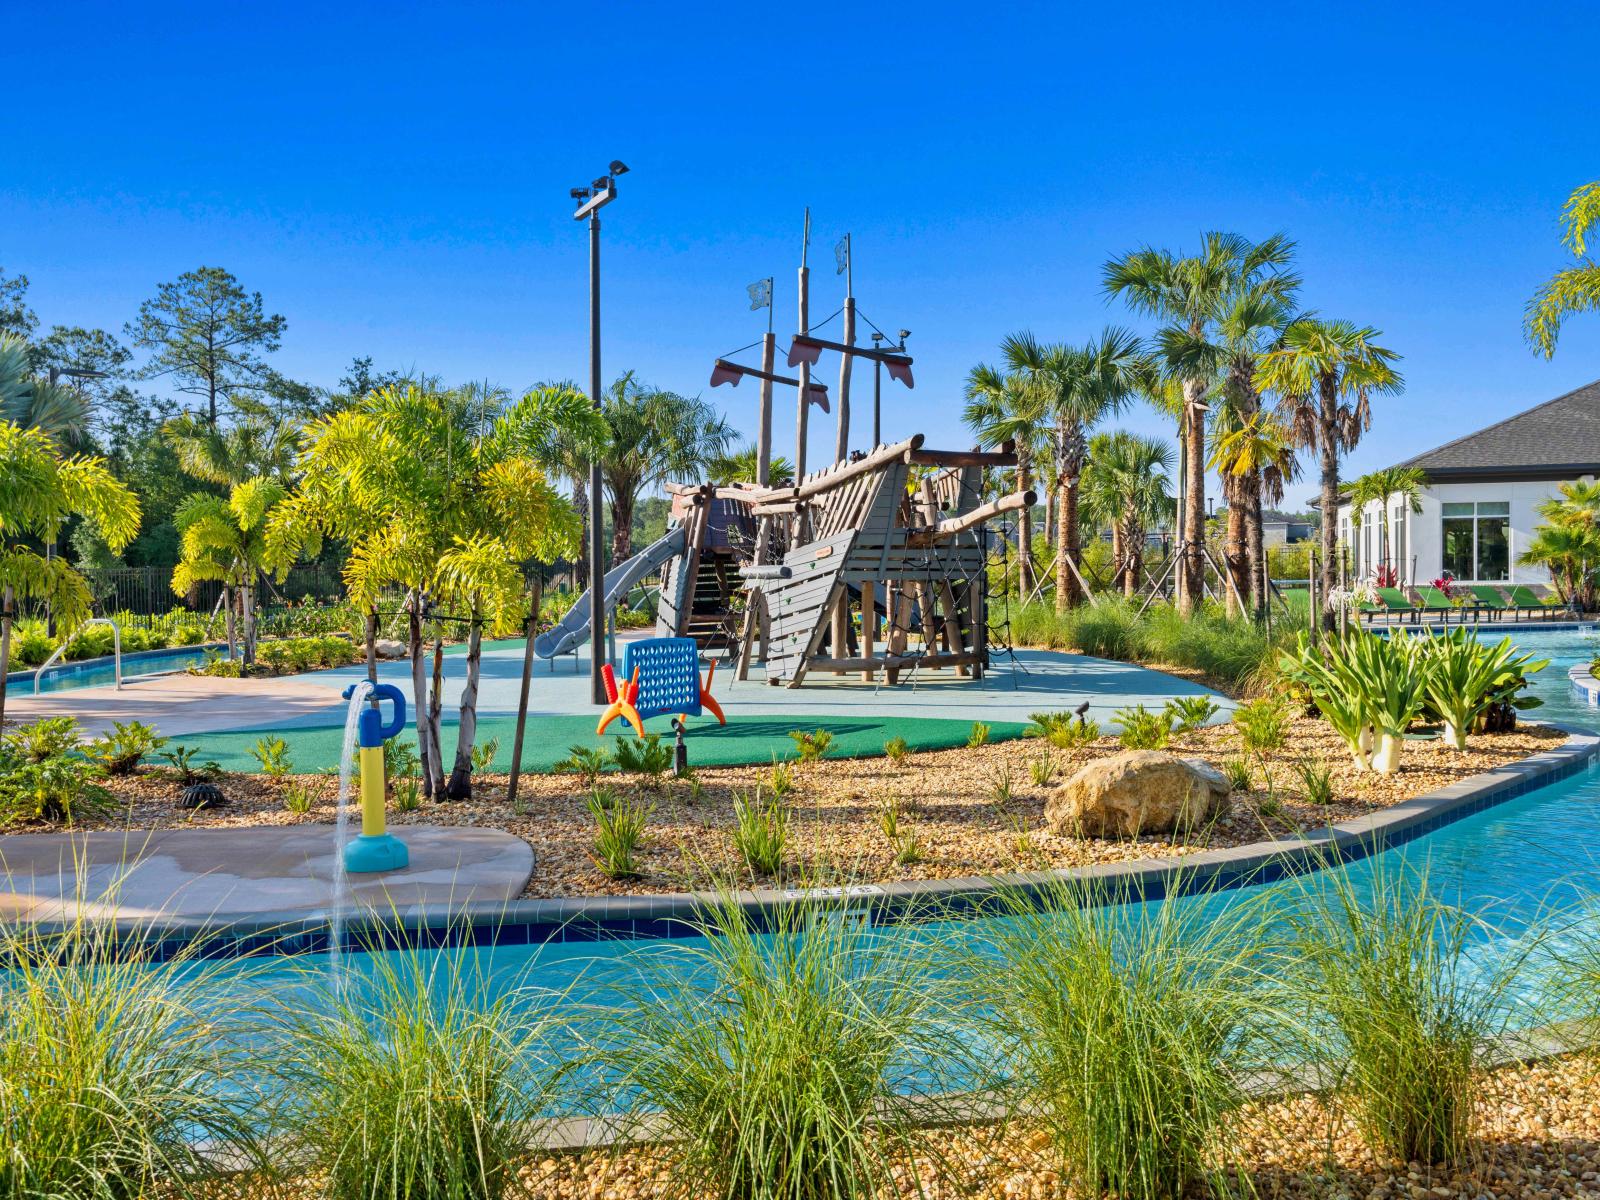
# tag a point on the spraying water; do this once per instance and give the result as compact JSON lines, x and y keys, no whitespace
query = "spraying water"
{"x":341,"y":878}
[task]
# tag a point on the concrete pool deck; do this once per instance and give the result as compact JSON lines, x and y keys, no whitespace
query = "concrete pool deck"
{"x":222,"y":717}
{"x":219,"y":874}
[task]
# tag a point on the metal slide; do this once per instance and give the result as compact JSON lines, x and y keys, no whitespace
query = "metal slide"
{"x":572,"y":629}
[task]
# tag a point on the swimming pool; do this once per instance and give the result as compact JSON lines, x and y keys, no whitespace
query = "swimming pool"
{"x":101,"y":672}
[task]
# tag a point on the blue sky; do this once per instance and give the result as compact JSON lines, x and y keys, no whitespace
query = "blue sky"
{"x":394,"y":178}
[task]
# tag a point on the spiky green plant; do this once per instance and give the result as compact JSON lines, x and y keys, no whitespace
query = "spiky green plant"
{"x":760,"y":832}
{"x":1143,"y":729}
{"x":121,"y":748}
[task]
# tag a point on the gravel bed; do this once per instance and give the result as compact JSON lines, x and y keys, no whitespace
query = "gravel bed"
{"x":971,"y":811}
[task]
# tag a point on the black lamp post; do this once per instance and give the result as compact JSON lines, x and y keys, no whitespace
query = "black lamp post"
{"x":591,"y":200}
{"x":877,"y":383}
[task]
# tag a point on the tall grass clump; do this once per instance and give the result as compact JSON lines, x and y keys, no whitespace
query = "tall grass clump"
{"x":1404,"y":1013}
{"x":1115,"y":1023}
{"x":114,"y":1071}
{"x":778,"y":1066}
{"x":417,"y":1080}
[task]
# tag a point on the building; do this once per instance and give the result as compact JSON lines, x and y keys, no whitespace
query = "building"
{"x":1480,"y":506}
{"x":1278,"y":529}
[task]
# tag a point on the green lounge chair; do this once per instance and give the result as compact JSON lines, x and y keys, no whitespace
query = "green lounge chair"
{"x":1489,"y":599}
{"x":1523,"y":597}
{"x":1435,"y":601}
{"x":1394,"y":601}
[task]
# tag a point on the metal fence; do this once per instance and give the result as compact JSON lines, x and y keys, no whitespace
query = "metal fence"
{"x":147,"y":591}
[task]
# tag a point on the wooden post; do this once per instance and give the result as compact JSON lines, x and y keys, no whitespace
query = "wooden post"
{"x":841,"y":444}
{"x":803,"y":404}
{"x":535,"y":595}
{"x":869,"y":622}
{"x":764,"y":411}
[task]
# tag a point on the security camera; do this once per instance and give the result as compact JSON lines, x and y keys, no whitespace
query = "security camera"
{"x":580,"y":193}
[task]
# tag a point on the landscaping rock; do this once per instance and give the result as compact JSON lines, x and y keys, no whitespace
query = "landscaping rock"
{"x":389,"y":648}
{"x":1138,"y":792}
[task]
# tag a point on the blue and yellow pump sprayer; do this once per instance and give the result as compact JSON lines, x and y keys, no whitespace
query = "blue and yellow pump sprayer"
{"x":376,"y":849}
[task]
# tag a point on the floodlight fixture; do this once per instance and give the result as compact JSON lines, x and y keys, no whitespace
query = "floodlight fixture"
{"x":618,"y":167}
{"x":579,"y":194}
{"x":904,"y":334}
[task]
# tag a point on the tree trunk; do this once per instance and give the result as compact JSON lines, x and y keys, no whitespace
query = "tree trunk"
{"x":435,"y":713}
{"x":1327,"y":434}
{"x":1119,"y":553}
{"x":460,"y":785}
{"x":1050,"y":518}
{"x":621,"y":529}
{"x":247,"y":602}
{"x":1133,"y":547}
{"x":1194,"y":501}
{"x":227,"y":604}
{"x":1069,"y":465}
{"x":7,"y":616}
{"x":419,"y":691}
{"x":580,"y":565}
{"x":1024,"y":529}
{"x":1255,"y":545}
{"x":1235,"y":552}
{"x":372,"y":642}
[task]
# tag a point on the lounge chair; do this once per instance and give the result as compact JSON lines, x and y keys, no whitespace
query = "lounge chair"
{"x":1524,"y":597}
{"x":1394,"y":601}
{"x":1435,"y":601}
{"x":1489,"y":599}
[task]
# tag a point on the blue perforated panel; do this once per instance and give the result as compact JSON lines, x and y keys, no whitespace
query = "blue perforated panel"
{"x":669,"y":675}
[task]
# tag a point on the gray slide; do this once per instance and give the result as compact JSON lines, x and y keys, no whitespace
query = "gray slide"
{"x":573,"y":629}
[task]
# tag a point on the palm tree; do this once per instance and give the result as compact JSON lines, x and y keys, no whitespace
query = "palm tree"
{"x":39,"y":490}
{"x":1405,"y":482}
{"x":227,"y":540}
{"x":1256,"y":458}
{"x":1324,"y":374}
{"x":1574,"y":289}
{"x":654,"y":436}
{"x":1002,"y":407}
{"x":450,"y":527}
{"x":256,"y":445}
{"x":1087,"y":384}
{"x":740,"y":467}
{"x":1190,"y":294}
{"x":1567,"y":543}
{"x":32,"y":401}
{"x":1124,"y":486}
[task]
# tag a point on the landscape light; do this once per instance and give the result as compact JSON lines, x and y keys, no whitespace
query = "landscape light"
{"x":618,"y":167}
{"x":904,"y":334}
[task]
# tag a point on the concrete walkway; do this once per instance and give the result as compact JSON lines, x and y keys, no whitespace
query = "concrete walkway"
{"x":247,"y":871}
{"x":178,"y":704}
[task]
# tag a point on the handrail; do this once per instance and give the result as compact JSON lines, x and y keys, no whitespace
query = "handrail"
{"x":116,"y":648}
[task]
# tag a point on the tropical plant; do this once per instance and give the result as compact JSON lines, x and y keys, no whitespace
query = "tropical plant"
{"x":1189,"y":713}
{"x":586,"y":762}
{"x":180,"y":761}
{"x":42,"y":779}
{"x":1379,"y":487}
{"x":1567,"y":542}
{"x":483,"y":755}
{"x":1143,"y":729}
{"x":644,"y":756}
{"x":1002,"y":407}
{"x":1325,"y":374}
{"x":449,"y":527}
{"x":1463,"y":676}
{"x":1042,"y":770}
{"x":619,"y":832}
{"x":979,"y":735}
{"x":121,"y":748}
{"x":1191,"y":295}
{"x":1263,"y":725}
{"x":1574,"y":289}
{"x":813,"y":746}
{"x":740,"y":467}
{"x":33,"y":401}
{"x":298,"y":796}
{"x":653,"y":436}
{"x":1125,"y":488}
{"x":272,"y":754}
{"x":897,"y":750}
{"x":781,"y":779}
{"x":1316,"y":780}
{"x":39,"y":491}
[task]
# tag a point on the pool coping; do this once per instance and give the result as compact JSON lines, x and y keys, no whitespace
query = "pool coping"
{"x":1584,"y":685}
{"x":673,"y":915}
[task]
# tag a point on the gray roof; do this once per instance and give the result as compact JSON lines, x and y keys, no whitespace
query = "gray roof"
{"x":1558,"y":439}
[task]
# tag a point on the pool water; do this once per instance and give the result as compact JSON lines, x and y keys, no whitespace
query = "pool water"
{"x":101,"y":672}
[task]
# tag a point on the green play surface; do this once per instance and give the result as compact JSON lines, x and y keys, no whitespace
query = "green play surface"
{"x":547,"y":740}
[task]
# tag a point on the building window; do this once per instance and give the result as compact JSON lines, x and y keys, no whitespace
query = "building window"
{"x":1367,"y":529}
{"x":1397,"y":539}
{"x":1477,"y":540}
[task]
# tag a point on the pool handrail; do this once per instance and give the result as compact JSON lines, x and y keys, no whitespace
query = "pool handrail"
{"x":116,"y":649}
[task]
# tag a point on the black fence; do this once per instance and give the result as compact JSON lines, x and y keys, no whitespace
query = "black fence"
{"x":147,"y":591}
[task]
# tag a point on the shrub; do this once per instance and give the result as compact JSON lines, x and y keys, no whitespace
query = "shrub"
{"x":1121,"y":1028}
{"x":1407,"y":1010}
{"x":1464,"y":676}
{"x":889,"y":818}
{"x":789,"y":1064}
{"x":61,"y":787}
{"x":273,"y":755}
{"x":407,"y":793}
{"x":422,"y":1081}
{"x":619,"y":832}
{"x":122,"y":749}
{"x":1189,"y":713}
{"x":979,"y":735}
{"x":48,"y":737}
{"x":643,"y":756}
{"x":1042,"y":770}
{"x":585,"y":762}
{"x":1143,"y":729}
{"x":761,"y":832}
{"x":897,"y":749}
{"x":781,"y":780}
{"x":1064,"y":730}
{"x":907,"y":849}
{"x":1263,"y":725}
{"x":400,"y":759}
{"x":115,"y":1078}
{"x":811,"y":746}
{"x":31,"y":643}
{"x":180,"y":760}
{"x":1237,"y":773}
{"x":1001,"y":785}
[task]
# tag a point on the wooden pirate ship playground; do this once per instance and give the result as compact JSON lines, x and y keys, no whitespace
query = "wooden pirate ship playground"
{"x":873,"y":567}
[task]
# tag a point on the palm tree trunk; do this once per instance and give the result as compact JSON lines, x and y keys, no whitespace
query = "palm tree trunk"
{"x":435,"y":713}
{"x":1119,"y":560}
{"x":1050,"y":518}
{"x":1327,"y":435}
{"x":1069,"y":465}
{"x":419,"y":690}
{"x":460,"y":785}
{"x":372,"y":642}
{"x":7,"y":616}
{"x":227,"y":604}
{"x":247,"y":602}
{"x":1024,"y":528}
{"x":580,"y":565}
{"x":1192,"y":570}
{"x":1133,"y":547}
{"x":1233,"y":549}
{"x":621,"y":528}
{"x":1255,"y":544}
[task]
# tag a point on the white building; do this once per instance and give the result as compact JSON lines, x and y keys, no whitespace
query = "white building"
{"x":1481,"y":504}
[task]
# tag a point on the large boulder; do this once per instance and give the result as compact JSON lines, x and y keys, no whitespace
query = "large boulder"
{"x":389,"y":648}
{"x":1135,"y":792}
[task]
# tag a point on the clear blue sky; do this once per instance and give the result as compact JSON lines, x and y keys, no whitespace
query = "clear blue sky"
{"x":394,"y":178}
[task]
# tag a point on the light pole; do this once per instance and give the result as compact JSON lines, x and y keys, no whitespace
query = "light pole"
{"x":591,"y":200}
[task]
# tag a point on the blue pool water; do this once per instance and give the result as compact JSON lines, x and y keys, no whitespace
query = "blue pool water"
{"x":101,"y":672}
